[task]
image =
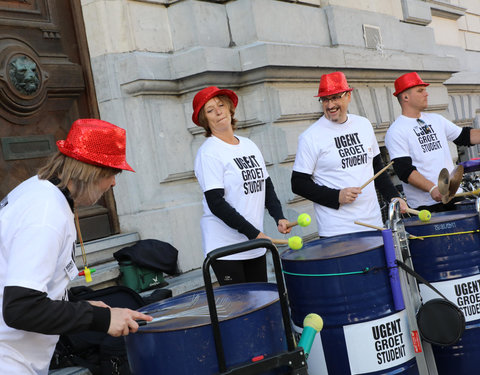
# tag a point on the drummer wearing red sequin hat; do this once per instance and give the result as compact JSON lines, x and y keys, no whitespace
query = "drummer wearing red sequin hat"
{"x":335,"y":156}
{"x":37,"y":248}
{"x":418,"y":144}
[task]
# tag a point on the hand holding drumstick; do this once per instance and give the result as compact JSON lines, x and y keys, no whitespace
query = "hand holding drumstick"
{"x":284,"y":226}
{"x":376,"y":175}
{"x":348,"y":195}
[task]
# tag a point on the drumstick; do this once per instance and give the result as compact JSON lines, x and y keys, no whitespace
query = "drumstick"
{"x":294,"y":242}
{"x":369,"y":225}
{"x":466,"y":193}
{"x":376,"y":175}
{"x":303,"y":220}
{"x":423,"y":215}
{"x":380,"y":228}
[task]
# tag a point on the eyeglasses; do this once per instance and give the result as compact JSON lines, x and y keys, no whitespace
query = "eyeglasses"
{"x":333,"y":98}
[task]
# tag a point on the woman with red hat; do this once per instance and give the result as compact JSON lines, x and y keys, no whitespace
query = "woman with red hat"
{"x":418,"y":143}
{"x":236,"y":186}
{"x":37,"y":248}
{"x":335,"y":156}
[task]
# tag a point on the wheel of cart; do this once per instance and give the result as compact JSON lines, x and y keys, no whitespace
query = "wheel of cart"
{"x":292,"y":360}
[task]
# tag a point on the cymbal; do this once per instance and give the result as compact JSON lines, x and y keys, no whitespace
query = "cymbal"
{"x":455,"y":180}
{"x":443,"y":181}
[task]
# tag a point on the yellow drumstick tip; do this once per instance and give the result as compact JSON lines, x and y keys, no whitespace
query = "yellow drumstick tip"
{"x":304,"y":220}
{"x":295,"y":243}
{"x":313,"y":320}
{"x":424,"y":215}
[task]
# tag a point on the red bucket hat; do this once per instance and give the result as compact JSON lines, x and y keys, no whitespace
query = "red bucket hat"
{"x":332,"y":83}
{"x":406,"y":81}
{"x":96,"y":142}
{"x":203,"y":96}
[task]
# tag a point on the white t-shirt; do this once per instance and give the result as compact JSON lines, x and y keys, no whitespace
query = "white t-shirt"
{"x":427,"y":144}
{"x":239,"y":170}
{"x":37,"y":238}
{"x":340,"y":156}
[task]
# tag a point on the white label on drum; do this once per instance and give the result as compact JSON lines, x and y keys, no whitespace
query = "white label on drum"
{"x":316,"y":359}
{"x":464,"y":292}
{"x":445,"y":226}
{"x":378,"y":344}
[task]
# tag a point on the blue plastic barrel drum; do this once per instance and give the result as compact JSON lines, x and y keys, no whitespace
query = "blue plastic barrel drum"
{"x":345,"y":280}
{"x":449,"y":258}
{"x":180,"y":340}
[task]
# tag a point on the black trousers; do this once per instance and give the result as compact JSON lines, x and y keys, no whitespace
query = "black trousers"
{"x":241,"y":271}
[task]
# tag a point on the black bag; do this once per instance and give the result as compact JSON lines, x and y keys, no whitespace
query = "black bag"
{"x":152,"y":254}
{"x":439,"y":320}
{"x":101,"y":353}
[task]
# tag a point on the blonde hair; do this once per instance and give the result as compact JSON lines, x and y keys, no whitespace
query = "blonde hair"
{"x":83,"y":176}
{"x":202,"y":118}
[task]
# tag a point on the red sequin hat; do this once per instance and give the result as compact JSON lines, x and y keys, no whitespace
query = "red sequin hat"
{"x":203,"y":96}
{"x":96,"y":142}
{"x":332,"y":83}
{"x":406,"y":81}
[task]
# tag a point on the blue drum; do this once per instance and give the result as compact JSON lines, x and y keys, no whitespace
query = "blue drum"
{"x":465,"y":204}
{"x":180,"y":341}
{"x":449,"y":258}
{"x":345,"y":280}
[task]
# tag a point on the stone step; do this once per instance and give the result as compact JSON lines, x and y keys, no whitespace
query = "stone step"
{"x":101,"y":250}
{"x":100,"y":256}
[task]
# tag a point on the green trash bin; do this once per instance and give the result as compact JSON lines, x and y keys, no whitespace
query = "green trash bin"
{"x":140,"y":278}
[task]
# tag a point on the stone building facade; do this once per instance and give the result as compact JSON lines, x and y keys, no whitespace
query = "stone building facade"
{"x":150,"y":57}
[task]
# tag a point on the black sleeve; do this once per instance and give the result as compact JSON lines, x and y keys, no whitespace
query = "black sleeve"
{"x":271,"y":201}
{"x":464,"y":138}
{"x":383,"y":182}
{"x":229,"y":215}
{"x":31,"y":310}
{"x":403,"y":167}
{"x":303,"y":185}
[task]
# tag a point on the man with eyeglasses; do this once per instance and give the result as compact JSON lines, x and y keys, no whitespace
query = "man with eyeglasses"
{"x":335,"y":156}
{"x":418,"y":143}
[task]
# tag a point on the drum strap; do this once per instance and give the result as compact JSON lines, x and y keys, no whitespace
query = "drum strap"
{"x":443,"y":234}
{"x":418,"y":277}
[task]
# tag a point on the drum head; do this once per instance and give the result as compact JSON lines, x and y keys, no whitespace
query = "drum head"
{"x":440,"y":322}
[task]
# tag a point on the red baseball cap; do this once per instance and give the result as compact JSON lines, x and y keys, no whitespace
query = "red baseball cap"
{"x":203,"y":96}
{"x":96,"y":142}
{"x":332,"y":83}
{"x":404,"y":82}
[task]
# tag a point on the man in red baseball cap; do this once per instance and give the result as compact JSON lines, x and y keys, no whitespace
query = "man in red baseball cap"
{"x":418,"y":144}
{"x":335,"y":156}
{"x":37,"y":248}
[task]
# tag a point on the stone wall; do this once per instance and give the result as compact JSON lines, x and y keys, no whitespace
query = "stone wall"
{"x":150,"y":57}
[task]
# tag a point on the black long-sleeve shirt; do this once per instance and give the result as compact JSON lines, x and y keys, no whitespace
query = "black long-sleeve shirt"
{"x":230,"y":216}
{"x":303,"y":185}
{"x":31,"y":310}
